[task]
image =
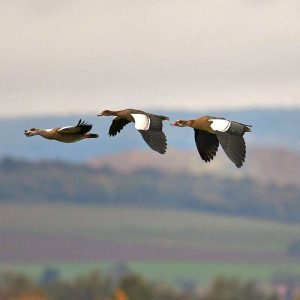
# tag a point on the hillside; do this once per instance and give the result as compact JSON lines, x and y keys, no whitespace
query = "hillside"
{"x":264,"y":164}
{"x":46,"y":181}
{"x":123,"y":171}
{"x":270,"y":127}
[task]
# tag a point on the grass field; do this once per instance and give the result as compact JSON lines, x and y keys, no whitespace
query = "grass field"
{"x":168,"y":271}
{"x":161,"y":244}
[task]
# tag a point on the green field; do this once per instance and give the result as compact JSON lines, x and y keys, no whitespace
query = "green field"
{"x":199,"y":272}
{"x":245,"y":248}
{"x":148,"y":226}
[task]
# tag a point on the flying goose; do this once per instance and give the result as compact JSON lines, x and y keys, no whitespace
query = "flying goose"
{"x":67,"y":134}
{"x":210,"y":131}
{"x":149,"y":125}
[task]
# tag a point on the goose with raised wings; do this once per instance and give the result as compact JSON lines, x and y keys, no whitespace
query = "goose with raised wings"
{"x":67,"y":134}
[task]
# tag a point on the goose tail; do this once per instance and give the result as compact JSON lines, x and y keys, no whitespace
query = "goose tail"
{"x":91,"y":135}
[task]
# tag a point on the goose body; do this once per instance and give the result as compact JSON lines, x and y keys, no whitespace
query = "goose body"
{"x":149,"y":126}
{"x":67,"y":134}
{"x":212,"y":131}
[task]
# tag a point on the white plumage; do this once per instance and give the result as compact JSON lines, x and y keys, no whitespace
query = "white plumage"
{"x":142,"y":122}
{"x":64,"y":128}
{"x":219,"y":124}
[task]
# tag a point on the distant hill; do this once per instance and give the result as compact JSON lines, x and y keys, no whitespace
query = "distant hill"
{"x":264,"y":164}
{"x":124,"y":171}
{"x":46,"y":181}
{"x":270,"y":127}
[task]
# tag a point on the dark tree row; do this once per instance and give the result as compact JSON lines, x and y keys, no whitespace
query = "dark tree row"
{"x":77,"y":183}
{"x":95,"y":286}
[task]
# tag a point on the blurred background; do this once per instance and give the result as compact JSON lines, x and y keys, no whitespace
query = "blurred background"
{"x":111,"y":219}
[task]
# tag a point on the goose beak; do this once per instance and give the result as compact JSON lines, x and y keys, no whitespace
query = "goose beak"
{"x":173,"y":124}
{"x":100,"y":115}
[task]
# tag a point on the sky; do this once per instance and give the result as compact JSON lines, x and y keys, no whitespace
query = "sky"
{"x":79,"y":56}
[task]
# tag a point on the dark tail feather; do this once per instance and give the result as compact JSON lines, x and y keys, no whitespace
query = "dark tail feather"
{"x":91,"y":135}
{"x":164,"y":118}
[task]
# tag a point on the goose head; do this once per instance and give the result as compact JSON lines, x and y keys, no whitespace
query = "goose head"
{"x":31,"y":132}
{"x":106,"y":113}
{"x":180,"y":123}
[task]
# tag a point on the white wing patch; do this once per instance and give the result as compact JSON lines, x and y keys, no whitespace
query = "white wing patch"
{"x":142,"y":122}
{"x":65,"y":128}
{"x":219,"y":125}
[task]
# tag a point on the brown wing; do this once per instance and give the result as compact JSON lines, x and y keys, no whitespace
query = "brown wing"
{"x":207,"y":144}
{"x":117,"y":125}
{"x":81,"y":127}
{"x":234,"y":146}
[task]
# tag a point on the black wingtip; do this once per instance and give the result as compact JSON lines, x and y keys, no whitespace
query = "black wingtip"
{"x":163,"y":151}
{"x":83,"y":123}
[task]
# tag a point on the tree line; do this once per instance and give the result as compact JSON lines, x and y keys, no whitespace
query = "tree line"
{"x":96,"y":286}
{"x":54,"y":181}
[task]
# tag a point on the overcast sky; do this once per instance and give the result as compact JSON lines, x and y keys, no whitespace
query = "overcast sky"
{"x":70,"y":56}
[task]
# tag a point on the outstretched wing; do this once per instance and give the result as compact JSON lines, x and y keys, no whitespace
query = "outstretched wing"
{"x":156,"y":140}
{"x":207,"y":144}
{"x":154,"y":136}
{"x":81,"y":127}
{"x":117,"y":125}
{"x":234,"y":146}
